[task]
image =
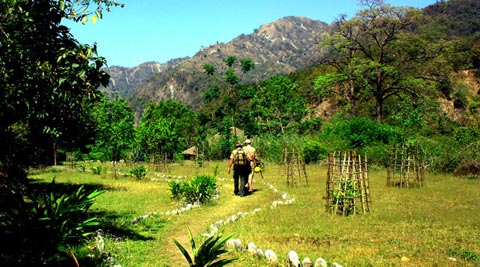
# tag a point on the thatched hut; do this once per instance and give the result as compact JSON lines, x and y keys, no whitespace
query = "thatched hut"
{"x":191,"y":153}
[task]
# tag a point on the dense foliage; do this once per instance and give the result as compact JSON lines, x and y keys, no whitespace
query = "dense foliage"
{"x":166,"y":128}
{"x":49,"y":82}
{"x":114,"y":129}
{"x":40,"y":227}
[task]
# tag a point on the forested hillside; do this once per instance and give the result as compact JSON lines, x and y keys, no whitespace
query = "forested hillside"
{"x":280,"y":47}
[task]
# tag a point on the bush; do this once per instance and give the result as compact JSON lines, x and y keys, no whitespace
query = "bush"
{"x":96,"y":155}
{"x":378,"y":153}
{"x":40,"y":228}
{"x":357,"y":133}
{"x":139,"y":172}
{"x":314,"y":151}
{"x":97,"y":169}
{"x":200,"y":189}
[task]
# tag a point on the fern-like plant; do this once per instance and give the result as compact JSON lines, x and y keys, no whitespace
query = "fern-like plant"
{"x":207,"y":255}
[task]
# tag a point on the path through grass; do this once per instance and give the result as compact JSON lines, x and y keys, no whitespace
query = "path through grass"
{"x":437,"y":225}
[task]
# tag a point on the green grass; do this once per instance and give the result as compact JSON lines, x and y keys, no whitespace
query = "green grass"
{"x":424,"y":226}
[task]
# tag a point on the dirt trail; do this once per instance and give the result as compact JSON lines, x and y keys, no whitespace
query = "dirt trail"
{"x":211,"y":214}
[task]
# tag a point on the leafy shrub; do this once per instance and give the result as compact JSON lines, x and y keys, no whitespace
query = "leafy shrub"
{"x":200,"y":161}
{"x":40,"y":228}
{"x":139,"y":172}
{"x":81,"y":168}
{"x":314,"y":151}
{"x":176,"y":189}
{"x":97,"y":169}
{"x":466,"y":135}
{"x":357,"y":133}
{"x":271,"y":147}
{"x":456,"y":152}
{"x":95,"y":155}
{"x":344,"y":198}
{"x":377,"y":153}
{"x":440,"y":153}
{"x":200,"y":189}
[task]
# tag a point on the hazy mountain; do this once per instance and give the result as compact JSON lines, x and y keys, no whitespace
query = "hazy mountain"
{"x":278,"y":47}
{"x":124,"y":79}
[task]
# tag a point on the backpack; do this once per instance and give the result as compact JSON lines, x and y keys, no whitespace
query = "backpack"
{"x":240,"y":158}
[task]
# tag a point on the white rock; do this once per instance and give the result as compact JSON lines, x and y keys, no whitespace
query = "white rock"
{"x":230,"y":243}
{"x":307,"y":262}
{"x":270,"y":255}
{"x":293,"y":259}
{"x":238,"y":244}
{"x":252,"y":248}
{"x":320,"y":262}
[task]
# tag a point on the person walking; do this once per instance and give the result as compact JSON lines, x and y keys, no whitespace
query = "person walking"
{"x":241,"y":168}
{"x":251,"y":156}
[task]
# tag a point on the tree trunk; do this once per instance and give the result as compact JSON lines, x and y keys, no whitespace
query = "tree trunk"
{"x":379,"y":108}
{"x":55,"y":154}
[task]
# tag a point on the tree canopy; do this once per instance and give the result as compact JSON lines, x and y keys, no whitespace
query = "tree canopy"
{"x":377,"y":55}
{"x":49,"y":80}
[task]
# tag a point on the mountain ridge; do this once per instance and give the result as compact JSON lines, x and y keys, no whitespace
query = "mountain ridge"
{"x":277,"y":47}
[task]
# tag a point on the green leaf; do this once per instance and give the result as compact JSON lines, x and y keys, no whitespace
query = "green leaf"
{"x":184,"y":252}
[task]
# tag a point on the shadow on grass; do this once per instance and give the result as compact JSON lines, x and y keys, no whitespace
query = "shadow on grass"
{"x":111,"y":224}
{"x":114,"y":226}
{"x":109,"y":221}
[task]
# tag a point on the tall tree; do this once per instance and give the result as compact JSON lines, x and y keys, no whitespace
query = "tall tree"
{"x":229,"y":98}
{"x":48,"y":80}
{"x":115,"y":131}
{"x":370,"y":57}
{"x":277,"y":106}
{"x":166,"y":127}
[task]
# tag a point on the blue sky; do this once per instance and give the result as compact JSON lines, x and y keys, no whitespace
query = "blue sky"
{"x":160,"y":30}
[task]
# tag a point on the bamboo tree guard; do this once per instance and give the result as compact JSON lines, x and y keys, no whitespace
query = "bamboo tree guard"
{"x":347,"y":187}
{"x":159,"y":162}
{"x":406,"y":169}
{"x":294,"y":168}
{"x":71,"y":158}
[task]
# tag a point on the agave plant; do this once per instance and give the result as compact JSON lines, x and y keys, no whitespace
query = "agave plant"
{"x":207,"y":255}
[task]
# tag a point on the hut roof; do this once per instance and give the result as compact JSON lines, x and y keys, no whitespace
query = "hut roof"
{"x":193,"y":151}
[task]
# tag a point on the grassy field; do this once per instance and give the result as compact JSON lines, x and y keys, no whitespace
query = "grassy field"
{"x":436,"y":225}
